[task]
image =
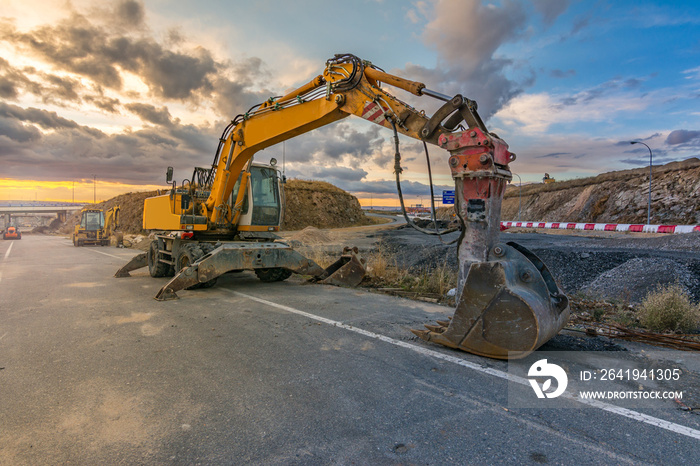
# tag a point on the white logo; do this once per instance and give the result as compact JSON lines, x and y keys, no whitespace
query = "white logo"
{"x":543,"y":369}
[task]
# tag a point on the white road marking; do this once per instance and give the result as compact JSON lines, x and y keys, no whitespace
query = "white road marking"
{"x":100,"y":252}
{"x":628,"y":413}
{"x":7,"y":253}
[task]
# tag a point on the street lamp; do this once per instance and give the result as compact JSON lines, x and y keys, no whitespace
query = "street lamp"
{"x":648,"y":203}
{"x":520,"y":194}
{"x":94,"y":189}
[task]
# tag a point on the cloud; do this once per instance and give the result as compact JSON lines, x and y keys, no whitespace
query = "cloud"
{"x":408,"y":188}
{"x":339,"y":142}
{"x":538,"y":112}
{"x":562,"y":74}
{"x":18,"y":132}
{"x":45,"y":146}
{"x":682,"y":136}
{"x":45,"y":119}
{"x":466,"y":39}
{"x":130,"y":13}
{"x":107,"y":61}
{"x":339,"y":173}
{"x":151,"y":114}
{"x":550,"y":9}
{"x":104,"y":54}
{"x":108,"y":104}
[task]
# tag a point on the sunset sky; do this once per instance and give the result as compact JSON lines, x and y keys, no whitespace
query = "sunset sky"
{"x":120,"y":90}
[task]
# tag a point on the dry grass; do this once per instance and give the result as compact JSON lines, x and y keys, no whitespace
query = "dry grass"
{"x":384,"y":271}
{"x":382,"y":267}
{"x":669,"y":309}
{"x":436,"y":281}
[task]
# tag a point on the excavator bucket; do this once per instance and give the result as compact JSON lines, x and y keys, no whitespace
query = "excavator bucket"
{"x":349,"y":270}
{"x":507,"y":303}
{"x":507,"y":308}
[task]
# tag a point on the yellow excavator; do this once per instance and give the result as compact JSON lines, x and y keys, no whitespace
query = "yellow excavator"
{"x":97,"y":226}
{"x":225,"y":217}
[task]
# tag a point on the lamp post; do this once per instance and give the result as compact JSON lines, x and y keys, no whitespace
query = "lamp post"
{"x":520,"y":194}
{"x":94,"y":189}
{"x":648,"y":203}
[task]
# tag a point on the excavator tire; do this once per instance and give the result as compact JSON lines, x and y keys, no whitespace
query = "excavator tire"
{"x":155,"y":267}
{"x":273,"y":275}
{"x":189,"y":254}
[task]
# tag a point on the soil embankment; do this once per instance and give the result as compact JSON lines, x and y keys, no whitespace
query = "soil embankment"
{"x":614,"y":197}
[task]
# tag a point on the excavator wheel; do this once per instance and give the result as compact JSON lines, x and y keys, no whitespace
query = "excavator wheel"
{"x":276,"y":274}
{"x":155,"y":267}
{"x":189,"y":254}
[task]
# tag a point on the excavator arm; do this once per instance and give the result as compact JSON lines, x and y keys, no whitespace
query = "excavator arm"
{"x":508,"y":303}
{"x":347,"y":87}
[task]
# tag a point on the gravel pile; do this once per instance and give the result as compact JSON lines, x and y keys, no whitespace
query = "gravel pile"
{"x":630,"y":281}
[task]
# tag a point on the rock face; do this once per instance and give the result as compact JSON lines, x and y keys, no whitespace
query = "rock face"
{"x":615,"y":197}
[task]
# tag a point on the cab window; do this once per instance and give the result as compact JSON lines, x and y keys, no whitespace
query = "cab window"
{"x":266,"y":199}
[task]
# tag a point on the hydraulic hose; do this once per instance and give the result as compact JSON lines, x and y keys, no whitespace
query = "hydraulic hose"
{"x":398,"y":170}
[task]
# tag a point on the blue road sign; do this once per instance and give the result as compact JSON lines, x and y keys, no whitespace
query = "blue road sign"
{"x":448,"y":197}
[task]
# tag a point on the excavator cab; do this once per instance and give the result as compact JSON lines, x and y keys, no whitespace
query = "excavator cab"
{"x":262,"y":206}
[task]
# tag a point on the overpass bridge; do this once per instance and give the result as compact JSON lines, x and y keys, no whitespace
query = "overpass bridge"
{"x":10,"y":209}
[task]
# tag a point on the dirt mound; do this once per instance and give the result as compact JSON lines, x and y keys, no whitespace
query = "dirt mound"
{"x":321,"y":205}
{"x":310,"y":236}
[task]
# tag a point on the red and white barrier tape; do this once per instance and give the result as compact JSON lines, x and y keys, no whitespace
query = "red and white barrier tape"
{"x":603,"y":227}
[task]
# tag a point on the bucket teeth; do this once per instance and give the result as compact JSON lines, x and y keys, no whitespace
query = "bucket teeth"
{"x":443,"y":323}
{"x":435,"y":328}
{"x":422,"y":334}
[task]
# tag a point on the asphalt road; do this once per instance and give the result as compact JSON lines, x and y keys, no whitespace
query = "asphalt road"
{"x":93,"y":370}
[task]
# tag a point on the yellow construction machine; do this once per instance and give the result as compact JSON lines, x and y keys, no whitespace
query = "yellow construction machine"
{"x":97,"y":227}
{"x":548,"y":179}
{"x":225,"y":217}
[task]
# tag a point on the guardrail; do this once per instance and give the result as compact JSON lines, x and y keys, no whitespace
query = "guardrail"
{"x":603,"y":227}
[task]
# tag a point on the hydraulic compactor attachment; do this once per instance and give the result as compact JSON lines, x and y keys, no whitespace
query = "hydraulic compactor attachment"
{"x":507,"y":302}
